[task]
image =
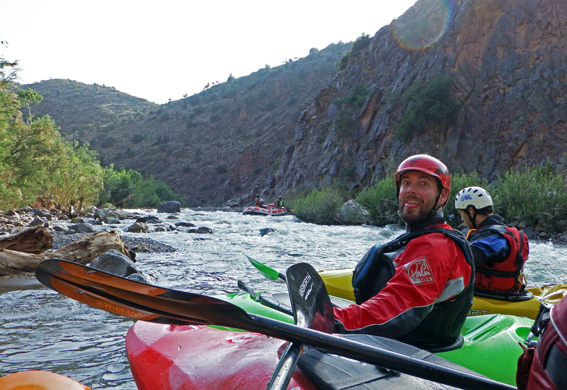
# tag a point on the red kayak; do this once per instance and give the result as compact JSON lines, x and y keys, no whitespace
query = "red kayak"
{"x":169,"y":357}
{"x":187,"y":357}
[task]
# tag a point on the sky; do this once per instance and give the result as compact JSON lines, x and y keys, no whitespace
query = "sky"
{"x":163,"y":50}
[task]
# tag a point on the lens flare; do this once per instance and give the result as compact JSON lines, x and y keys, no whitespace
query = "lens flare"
{"x":420,"y":28}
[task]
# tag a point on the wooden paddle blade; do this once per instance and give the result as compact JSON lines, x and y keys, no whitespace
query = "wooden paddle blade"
{"x":181,"y":305}
{"x":310,"y":302}
{"x":102,"y":303}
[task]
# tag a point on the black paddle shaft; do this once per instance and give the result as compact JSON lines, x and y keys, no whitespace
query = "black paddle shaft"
{"x":301,"y":288}
{"x":139,"y":299}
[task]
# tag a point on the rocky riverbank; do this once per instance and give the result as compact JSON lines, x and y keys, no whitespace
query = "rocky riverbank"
{"x":66,"y":230}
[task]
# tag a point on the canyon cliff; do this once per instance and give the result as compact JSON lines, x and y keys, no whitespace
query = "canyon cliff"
{"x":507,"y":62}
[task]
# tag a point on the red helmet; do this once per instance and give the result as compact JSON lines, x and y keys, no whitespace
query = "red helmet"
{"x":428,"y":164}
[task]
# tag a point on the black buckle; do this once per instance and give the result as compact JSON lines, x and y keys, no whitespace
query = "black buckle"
{"x":540,"y":322}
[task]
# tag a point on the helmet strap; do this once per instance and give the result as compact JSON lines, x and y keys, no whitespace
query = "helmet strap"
{"x":472,"y":218}
{"x":439,"y":207}
{"x":436,"y":207}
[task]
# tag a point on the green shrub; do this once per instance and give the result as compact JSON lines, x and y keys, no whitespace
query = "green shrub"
{"x":381,"y":201}
{"x":214,"y":118}
{"x":107,"y":141}
{"x":344,"y":61}
{"x":428,"y":105}
{"x":270,"y":106}
{"x":319,"y":206}
{"x":347,"y":171}
{"x":360,"y":43}
{"x":199,"y":110}
{"x":161,"y":139}
{"x":537,"y":196}
{"x":137,"y":138}
{"x":357,"y":96}
{"x":127,"y":189}
{"x":343,"y":122}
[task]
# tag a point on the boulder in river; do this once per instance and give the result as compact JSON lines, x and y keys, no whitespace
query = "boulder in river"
{"x":171,"y":206}
{"x":118,"y":264}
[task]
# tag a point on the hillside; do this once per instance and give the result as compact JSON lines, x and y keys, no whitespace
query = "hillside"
{"x":209,"y":147}
{"x":336,"y":118}
{"x":81,"y":109}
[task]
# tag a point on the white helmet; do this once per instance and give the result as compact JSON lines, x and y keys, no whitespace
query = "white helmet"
{"x":477,"y":197}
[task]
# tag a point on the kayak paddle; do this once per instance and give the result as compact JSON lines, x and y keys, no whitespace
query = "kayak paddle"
{"x":253,"y":294}
{"x":138,"y":299}
{"x":310,"y":302}
{"x":268,"y":272}
{"x":313,"y":306}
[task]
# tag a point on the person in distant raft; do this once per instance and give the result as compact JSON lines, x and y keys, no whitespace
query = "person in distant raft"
{"x":259,"y":202}
{"x":417,"y":288}
{"x":280,"y":203}
{"x":499,"y":250}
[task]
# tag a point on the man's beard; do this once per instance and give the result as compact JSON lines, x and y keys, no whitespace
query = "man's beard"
{"x":410,"y":217}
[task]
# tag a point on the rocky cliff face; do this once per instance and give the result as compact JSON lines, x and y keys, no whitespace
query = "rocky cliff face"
{"x":507,"y":60}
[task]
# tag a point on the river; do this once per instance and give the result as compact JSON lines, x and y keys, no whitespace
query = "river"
{"x":43,"y":330}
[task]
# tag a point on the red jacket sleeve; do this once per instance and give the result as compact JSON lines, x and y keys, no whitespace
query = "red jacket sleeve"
{"x":429,"y":266}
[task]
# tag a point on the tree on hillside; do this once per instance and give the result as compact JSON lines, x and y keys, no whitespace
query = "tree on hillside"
{"x":27,"y":97}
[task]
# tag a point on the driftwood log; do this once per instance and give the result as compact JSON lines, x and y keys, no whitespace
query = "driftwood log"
{"x":82,"y":251}
{"x":32,"y":240}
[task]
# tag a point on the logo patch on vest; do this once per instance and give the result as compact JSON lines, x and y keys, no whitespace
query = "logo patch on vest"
{"x":419,"y":271}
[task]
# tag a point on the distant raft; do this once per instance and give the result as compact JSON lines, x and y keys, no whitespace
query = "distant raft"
{"x":269,"y":209}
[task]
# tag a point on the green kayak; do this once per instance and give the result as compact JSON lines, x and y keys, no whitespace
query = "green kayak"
{"x":491,"y":342}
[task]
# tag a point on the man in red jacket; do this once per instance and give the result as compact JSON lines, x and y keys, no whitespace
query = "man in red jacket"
{"x":417,"y":288}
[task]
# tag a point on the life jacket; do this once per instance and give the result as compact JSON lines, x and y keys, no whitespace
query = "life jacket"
{"x":442,"y":326}
{"x":377,"y":267}
{"x":505,"y":276}
{"x":544,"y":365}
